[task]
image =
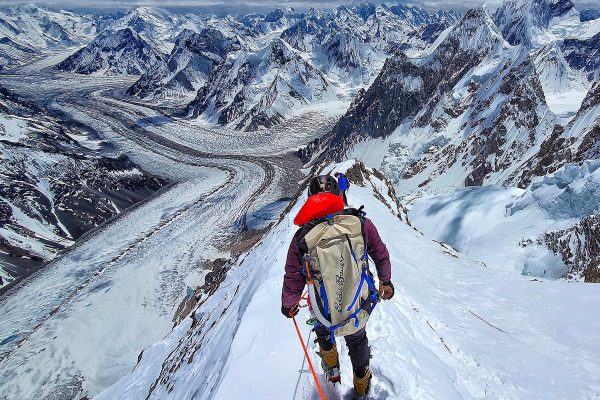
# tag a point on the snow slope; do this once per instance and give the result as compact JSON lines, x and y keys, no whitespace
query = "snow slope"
{"x":454,"y":330}
{"x":28,"y":30}
{"x":509,"y":228}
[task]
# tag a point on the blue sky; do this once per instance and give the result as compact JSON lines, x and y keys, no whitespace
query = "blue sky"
{"x":237,"y":6}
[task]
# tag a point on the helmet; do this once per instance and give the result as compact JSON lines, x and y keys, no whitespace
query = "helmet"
{"x":324,"y":183}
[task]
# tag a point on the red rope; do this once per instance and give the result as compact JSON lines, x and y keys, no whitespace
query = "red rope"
{"x":308,"y":359}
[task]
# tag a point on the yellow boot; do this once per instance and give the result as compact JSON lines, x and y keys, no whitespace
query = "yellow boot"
{"x":330,"y":363}
{"x":361,"y":385}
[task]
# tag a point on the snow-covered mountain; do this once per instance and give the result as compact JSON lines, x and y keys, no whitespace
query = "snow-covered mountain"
{"x":527,"y":22}
{"x":122,"y":52}
{"x":449,"y":331}
{"x":272,"y":21}
{"x":341,"y":50}
{"x":27,"y":30}
{"x":413,"y":82}
{"x":537,"y":23}
{"x":156,"y":26}
{"x":192,"y":60}
{"x":55,"y":185}
{"x":346,"y":47}
{"x":473,"y":110}
{"x":260,"y":89}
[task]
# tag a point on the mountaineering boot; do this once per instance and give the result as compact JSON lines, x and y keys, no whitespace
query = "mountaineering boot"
{"x":330,"y":363}
{"x":362,"y":384}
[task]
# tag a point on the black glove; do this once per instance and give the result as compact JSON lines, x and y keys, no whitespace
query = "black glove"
{"x":386,"y":290}
{"x":290,"y":312}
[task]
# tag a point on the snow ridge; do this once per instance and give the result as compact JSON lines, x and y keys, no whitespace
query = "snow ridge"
{"x":450,"y":340}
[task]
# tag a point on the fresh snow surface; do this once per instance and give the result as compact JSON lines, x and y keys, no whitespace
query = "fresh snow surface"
{"x":12,"y":129}
{"x":565,"y":104}
{"x":491,"y":223}
{"x":454,"y":330}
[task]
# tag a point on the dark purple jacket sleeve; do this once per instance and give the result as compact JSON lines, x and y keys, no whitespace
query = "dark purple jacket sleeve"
{"x":293,"y":280}
{"x":378,"y":252}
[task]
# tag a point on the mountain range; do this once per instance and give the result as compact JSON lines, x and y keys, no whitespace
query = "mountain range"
{"x":472,"y":140}
{"x":283,"y":53}
{"x":475,"y":110}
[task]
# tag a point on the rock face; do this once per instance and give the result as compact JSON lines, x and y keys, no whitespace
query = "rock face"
{"x":584,"y":55}
{"x":579,"y":248}
{"x":579,"y":140}
{"x":122,"y":52}
{"x":192,"y":60}
{"x":53,"y":189}
{"x":383,"y":189}
{"x":589,"y":15}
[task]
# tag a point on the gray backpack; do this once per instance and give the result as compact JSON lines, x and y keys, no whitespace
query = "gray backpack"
{"x":341,"y":289}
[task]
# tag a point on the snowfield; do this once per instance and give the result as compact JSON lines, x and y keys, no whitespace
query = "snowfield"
{"x":454,"y":330}
{"x":502,"y":226}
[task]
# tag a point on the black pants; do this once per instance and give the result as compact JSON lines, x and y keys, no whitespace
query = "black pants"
{"x":345,"y":198}
{"x":358,"y":348}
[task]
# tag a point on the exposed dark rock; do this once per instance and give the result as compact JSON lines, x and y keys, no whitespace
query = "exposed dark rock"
{"x":579,"y":248}
{"x":589,"y":14}
{"x":561,"y":147}
{"x":61,"y":186}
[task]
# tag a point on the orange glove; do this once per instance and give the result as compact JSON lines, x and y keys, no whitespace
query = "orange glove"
{"x":386,"y":290}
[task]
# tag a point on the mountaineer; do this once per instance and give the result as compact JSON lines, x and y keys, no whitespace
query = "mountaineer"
{"x":330,"y":253}
{"x":344,"y":185}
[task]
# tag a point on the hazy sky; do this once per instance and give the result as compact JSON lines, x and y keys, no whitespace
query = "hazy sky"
{"x":239,"y":6}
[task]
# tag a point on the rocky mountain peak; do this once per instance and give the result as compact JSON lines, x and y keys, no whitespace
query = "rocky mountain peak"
{"x":475,"y":31}
{"x":120,"y":52}
{"x":522,"y":20}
